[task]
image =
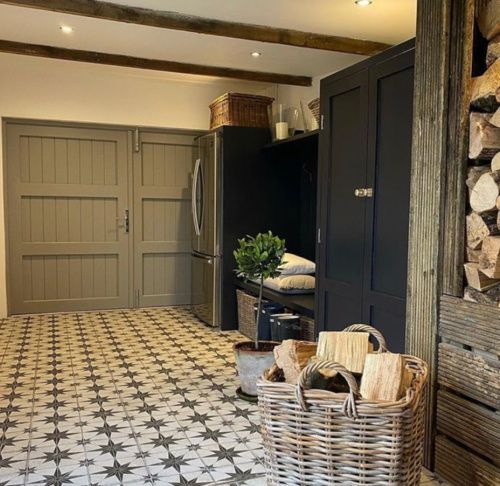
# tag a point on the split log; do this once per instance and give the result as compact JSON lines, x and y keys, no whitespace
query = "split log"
{"x":484,"y":89}
{"x":292,"y":357}
{"x":484,"y":138}
{"x":385,"y":377}
{"x":473,"y":175}
{"x":472,"y":256}
{"x":275,"y":374}
{"x":327,"y":380}
{"x":488,"y":18}
{"x":477,"y":279}
{"x":347,"y":348}
{"x":483,"y":197}
{"x":493,"y":51}
{"x":495,"y":162}
{"x":479,"y":226}
{"x":495,"y":119}
{"x":489,"y":297}
{"x":489,"y":260}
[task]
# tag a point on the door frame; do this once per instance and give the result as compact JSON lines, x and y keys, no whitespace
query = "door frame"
{"x":132,"y":132}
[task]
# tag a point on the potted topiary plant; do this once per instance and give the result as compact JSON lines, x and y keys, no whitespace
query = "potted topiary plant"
{"x":257,"y":258}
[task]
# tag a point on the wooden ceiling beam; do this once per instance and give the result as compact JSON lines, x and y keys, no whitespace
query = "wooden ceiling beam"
{"x":200,"y":25}
{"x":152,"y":64}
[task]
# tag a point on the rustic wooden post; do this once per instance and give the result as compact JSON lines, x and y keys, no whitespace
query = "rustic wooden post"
{"x":427,"y":190}
{"x":462,"y":28}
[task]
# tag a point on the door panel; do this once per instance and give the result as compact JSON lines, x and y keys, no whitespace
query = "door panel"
{"x":66,"y":188}
{"x":342,"y":170}
{"x":389,"y":166}
{"x":162,"y":219}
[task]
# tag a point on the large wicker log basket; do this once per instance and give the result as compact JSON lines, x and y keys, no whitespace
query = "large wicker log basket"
{"x":321,"y":438}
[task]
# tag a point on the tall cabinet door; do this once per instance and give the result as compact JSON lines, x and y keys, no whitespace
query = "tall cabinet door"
{"x":342,"y":215}
{"x":387,"y":212}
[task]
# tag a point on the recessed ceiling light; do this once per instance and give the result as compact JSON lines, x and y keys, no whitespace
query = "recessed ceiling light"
{"x":363,"y":3}
{"x":256,"y":54}
{"x":66,"y":29}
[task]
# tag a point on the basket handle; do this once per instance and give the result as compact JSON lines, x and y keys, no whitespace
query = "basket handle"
{"x":382,"y":345}
{"x":349,"y":407}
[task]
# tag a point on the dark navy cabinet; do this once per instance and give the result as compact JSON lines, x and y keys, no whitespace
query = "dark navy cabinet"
{"x":364,"y":193}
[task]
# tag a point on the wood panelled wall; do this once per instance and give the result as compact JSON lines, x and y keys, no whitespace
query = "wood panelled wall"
{"x":468,"y":399}
{"x":468,"y":368}
{"x":455,"y":337}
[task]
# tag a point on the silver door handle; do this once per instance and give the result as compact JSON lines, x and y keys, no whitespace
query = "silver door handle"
{"x":126,"y":222}
{"x":207,"y":260}
{"x":363,"y":192}
{"x":194,"y":189}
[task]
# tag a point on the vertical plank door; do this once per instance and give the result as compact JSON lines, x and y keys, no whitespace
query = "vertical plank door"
{"x":162,"y":218}
{"x":67,"y":189}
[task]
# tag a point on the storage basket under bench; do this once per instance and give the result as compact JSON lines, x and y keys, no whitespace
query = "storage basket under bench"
{"x":247,"y":322}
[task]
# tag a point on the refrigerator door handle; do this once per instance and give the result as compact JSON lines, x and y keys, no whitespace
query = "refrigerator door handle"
{"x":194,"y":190}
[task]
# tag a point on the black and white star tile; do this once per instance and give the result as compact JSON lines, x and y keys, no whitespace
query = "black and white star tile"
{"x":132,"y":397}
{"x":122,"y":398}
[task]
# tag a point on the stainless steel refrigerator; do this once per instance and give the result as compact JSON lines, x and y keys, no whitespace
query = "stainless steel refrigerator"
{"x":206,"y":209}
{"x":233,"y":194}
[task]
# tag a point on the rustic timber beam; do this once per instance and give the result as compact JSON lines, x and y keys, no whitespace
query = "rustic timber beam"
{"x":153,"y":64}
{"x":200,"y":25}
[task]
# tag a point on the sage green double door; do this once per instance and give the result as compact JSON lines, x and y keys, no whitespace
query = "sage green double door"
{"x":97,"y":218}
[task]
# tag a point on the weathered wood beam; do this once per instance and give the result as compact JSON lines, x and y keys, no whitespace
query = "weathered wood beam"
{"x":200,"y":25}
{"x":153,"y":64}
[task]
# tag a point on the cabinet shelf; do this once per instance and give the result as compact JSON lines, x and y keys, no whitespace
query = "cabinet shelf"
{"x":306,"y":136}
{"x":301,"y":303}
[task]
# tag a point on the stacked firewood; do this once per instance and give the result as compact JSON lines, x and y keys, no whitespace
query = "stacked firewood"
{"x":379,"y":376}
{"x":482,"y":269}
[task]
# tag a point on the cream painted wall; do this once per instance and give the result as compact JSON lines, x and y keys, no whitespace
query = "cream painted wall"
{"x":49,"y":89}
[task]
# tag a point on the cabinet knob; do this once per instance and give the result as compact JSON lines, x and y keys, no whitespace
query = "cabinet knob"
{"x":363,"y":192}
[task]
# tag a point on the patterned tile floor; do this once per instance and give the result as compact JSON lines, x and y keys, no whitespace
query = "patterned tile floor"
{"x":129,"y":397}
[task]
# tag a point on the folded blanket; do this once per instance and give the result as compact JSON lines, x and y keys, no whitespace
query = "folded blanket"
{"x":296,"y":265}
{"x":291,"y":284}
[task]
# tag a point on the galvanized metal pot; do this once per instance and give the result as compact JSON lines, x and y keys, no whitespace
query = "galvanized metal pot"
{"x":253,"y":362}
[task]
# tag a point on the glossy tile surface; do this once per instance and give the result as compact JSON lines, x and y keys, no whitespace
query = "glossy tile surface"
{"x":130,"y":397}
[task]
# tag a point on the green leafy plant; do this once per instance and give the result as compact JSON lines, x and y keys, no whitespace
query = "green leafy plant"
{"x":258,"y":258}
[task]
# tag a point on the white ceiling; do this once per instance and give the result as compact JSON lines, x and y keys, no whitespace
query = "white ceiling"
{"x":390,"y":21}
